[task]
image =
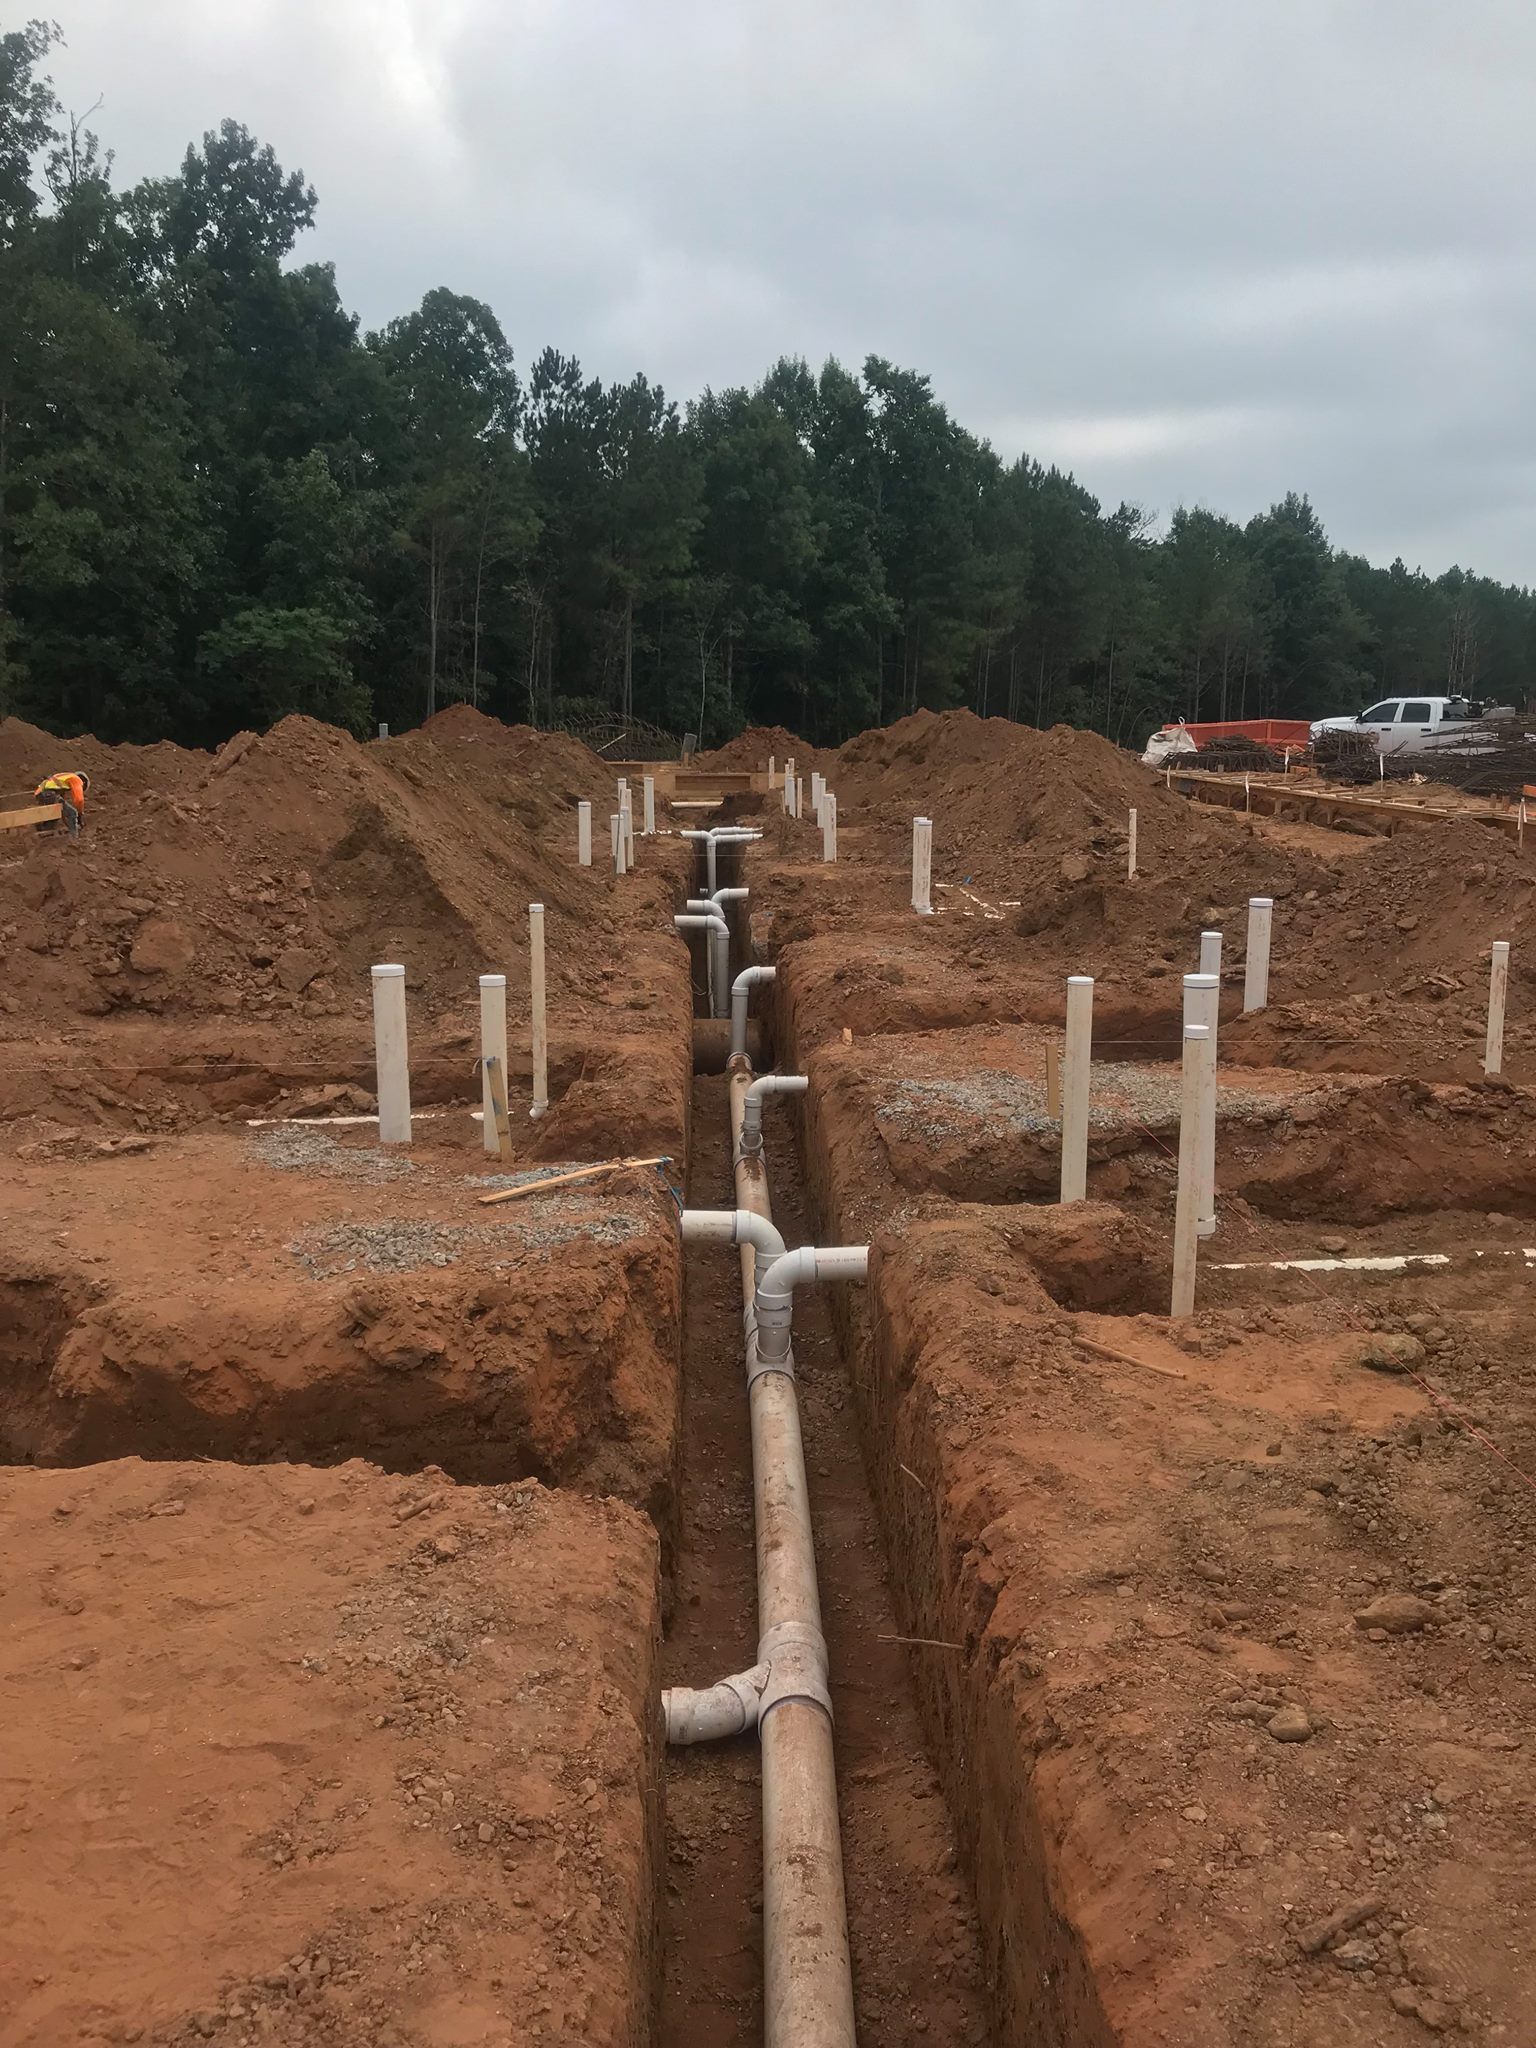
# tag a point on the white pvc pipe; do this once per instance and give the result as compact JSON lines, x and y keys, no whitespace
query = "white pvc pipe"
{"x":1130,"y":851}
{"x":493,"y":1045}
{"x":922,"y":866}
{"x":1077,"y":1067}
{"x":648,"y":794}
{"x":732,"y":1226}
{"x":720,"y":933}
{"x":1498,"y":991}
{"x":751,"y":1141}
{"x":1186,"y":1235}
{"x":617,"y":827}
{"x":749,"y":978}
{"x":789,"y":785}
{"x":584,"y":835}
{"x":808,"y":1986}
{"x":828,"y":826}
{"x":627,"y":827}
{"x":1261,"y":911}
{"x":391,"y":1054}
{"x":772,"y":772}
{"x":538,"y":1023}
{"x":1202,"y":996}
{"x":1210,"y":953}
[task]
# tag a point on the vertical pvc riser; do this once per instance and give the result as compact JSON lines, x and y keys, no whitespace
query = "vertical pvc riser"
{"x":1077,"y":1068}
{"x":391,"y":1055}
{"x":1261,"y":911}
{"x":1202,"y":996}
{"x":493,"y":1045}
{"x":1186,"y":1235}
{"x":1498,"y":993}
{"x":538,"y":1022}
{"x":584,"y":835}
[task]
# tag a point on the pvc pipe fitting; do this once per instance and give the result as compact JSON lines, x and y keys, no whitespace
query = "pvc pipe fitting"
{"x":752,"y":1107}
{"x":749,"y":978}
{"x":732,"y":1226}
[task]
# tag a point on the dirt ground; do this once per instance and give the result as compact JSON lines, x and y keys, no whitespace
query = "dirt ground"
{"x":300,"y":1757}
{"x":1238,"y":1714}
{"x":1182,"y":1672}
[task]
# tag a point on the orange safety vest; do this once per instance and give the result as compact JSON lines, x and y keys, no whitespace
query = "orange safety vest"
{"x":63,"y":786}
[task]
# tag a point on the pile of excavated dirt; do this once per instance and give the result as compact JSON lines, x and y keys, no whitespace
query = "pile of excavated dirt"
{"x":27,"y":754}
{"x":1038,"y":816}
{"x":754,"y":748}
{"x":269,"y":877}
{"x":1417,"y":914}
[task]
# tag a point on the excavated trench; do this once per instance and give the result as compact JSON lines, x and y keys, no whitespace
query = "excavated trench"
{"x":912,"y":1926}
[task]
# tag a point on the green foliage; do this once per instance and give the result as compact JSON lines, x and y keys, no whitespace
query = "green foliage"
{"x":219,"y":503}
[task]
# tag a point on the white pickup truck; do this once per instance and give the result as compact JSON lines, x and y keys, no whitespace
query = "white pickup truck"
{"x":1417,"y":725}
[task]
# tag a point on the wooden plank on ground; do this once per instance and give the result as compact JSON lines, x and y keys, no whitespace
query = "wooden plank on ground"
{"x":564,"y":1180}
{"x":36,"y":814}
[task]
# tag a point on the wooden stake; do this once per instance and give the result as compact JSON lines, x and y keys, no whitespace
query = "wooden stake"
{"x":562,"y":1180}
{"x":496,"y":1082}
{"x":1169,"y":1372}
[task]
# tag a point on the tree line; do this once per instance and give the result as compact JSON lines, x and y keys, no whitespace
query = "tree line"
{"x":221,"y":502}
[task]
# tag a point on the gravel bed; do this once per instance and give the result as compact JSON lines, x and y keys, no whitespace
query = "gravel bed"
{"x":408,"y":1244}
{"x":1014,"y":1104}
{"x":306,"y":1150}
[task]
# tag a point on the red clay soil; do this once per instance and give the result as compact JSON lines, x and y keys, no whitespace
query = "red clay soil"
{"x":324,"y":1759}
{"x":754,"y":748}
{"x":1203,"y":1802}
{"x":1243,"y":1705}
{"x":290,"y":1294}
{"x":268,"y":878}
{"x":244,"y":898}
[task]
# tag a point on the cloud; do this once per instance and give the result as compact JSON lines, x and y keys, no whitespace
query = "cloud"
{"x":1202,"y":252}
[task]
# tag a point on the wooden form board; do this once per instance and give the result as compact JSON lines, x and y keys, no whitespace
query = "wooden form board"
{"x":1321,"y":806}
{"x":37,"y":814}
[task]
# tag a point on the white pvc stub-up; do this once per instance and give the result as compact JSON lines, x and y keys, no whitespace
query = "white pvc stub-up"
{"x":922,"y":866}
{"x":1077,"y":1068}
{"x":493,"y":1045}
{"x":391,"y":1055}
{"x":1261,"y":911}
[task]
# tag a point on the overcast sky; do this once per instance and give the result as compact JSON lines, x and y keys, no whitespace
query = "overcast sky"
{"x":1201,"y":251}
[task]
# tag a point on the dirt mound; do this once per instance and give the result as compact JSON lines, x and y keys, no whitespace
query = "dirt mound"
{"x":752,"y":748}
{"x":268,"y":877}
{"x":27,"y":754}
{"x":1418,"y":913}
{"x":1036,"y":823}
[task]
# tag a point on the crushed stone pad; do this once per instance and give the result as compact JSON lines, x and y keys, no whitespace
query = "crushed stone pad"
{"x":405,"y":1246}
{"x":324,"y":1759}
{"x":1123,"y":1097}
{"x":312,"y":1151}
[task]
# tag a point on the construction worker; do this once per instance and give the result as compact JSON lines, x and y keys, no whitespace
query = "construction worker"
{"x":68,"y":792}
